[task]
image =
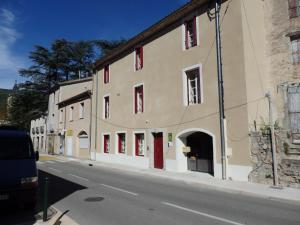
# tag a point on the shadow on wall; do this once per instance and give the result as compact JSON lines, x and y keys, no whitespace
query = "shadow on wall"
{"x":59,"y":189}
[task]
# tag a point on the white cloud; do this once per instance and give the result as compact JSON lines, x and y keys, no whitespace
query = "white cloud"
{"x":9,"y":62}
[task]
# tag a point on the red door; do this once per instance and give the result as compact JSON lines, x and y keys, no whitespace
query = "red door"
{"x":158,"y":151}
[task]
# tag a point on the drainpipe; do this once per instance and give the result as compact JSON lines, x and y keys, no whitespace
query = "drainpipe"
{"x":96,"y":117}
{"x":90,"y":128}
{"x":220,"y":88}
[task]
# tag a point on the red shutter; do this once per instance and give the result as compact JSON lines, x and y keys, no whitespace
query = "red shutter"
{"x":104,"y":75}
{"x":105,"y":144}
{"x":135,"y":99}
{"x":292,"y":8}
{"x":142,"y":56}
{"x":136,"y":59}
{"x":186,"y":36}
{"x":142,"y":94}
{"x":136,"y":144}
{"x":188,"y":89}
{"x":195,"y":31}
{"x":120,"y":142}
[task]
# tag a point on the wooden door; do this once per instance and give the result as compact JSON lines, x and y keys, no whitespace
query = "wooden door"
{"x":158,"y":151}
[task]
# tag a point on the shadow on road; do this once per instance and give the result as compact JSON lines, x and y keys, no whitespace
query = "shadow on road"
{"x":59,"y":189}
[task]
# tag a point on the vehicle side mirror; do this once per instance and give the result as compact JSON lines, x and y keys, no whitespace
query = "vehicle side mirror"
{"x":37,"y":155}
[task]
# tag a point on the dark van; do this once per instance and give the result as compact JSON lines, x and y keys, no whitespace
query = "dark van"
{"x":18,"y":171}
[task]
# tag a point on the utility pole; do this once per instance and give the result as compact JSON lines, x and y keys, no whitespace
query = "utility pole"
{"x":273,"y":144}
{"x":220,"y":87}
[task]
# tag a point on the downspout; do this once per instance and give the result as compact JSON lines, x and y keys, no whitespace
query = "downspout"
{"x":96,"y":117}
{"x":90,"y":128}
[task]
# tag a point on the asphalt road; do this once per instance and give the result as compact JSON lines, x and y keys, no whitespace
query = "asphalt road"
{"x":99,"y":196}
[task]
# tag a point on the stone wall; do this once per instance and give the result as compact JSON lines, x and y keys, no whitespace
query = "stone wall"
{"x":288,"y":158}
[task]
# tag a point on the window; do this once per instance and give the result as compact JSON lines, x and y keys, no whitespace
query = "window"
{"x":81,"y":111}
{"x":293,"y":92}
{"x":83,"y":140}
{"x":139,"y":144}
{"x":190,"y":33}
{"x":42,"y":142}
{"x":295,"y":48}
{"x":193,"y":87}
{"x":121,"y":142}
{"x":106,"y":107}
{"x":139,"y":58}
{"x":106,"y":143}
{"x":106,"y":74}
{"x":294,"y":8}
{"x":139,"y":99}
{"x":61,"y":116}
{"x":71,"y":113}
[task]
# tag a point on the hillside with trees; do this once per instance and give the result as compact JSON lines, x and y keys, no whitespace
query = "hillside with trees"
{"x":4,"y":93}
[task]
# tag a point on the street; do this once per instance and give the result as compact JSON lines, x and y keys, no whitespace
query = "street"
{"x":95,"y":195}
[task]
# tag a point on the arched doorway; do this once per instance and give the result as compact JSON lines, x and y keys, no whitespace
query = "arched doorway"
{"x":197,"y":150}
{"x":83,"y":139}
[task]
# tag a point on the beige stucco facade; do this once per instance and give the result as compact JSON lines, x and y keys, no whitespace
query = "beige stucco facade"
{"x":165,"y":61}
{"x":69,"y":118}
{"x":38,"y":133}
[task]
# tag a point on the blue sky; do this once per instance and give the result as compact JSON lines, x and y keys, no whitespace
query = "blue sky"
{"x":25,"y":23}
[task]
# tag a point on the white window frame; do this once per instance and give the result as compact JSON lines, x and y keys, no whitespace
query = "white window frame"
{"x":144,"y":98}
{"x":117,"y":142}
{"x":103,"y":106}
{"x":81,"y":110}
{"x":183,"y":31}
{"x":102,"y":146}
{"x":184,"y":82}
{"x":145,"y":143}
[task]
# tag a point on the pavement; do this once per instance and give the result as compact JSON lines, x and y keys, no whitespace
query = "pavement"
{"x":203,"y":180}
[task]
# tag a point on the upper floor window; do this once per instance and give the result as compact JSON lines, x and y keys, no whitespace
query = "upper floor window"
{"x":139,"y":58}
{"x":190,"y":33}
{"x":81,"y":111}
{"x":295,"y":47}
{"x":106,"y":74}
{"x":106,"y":143}
{"x":61,"y":116}
{"x":71,"y":113}
{"x":139,"y":99}
{"x":192,"y":81}
{"x":106,"y":107}
{"x":294,"y":8}
{"x":139,"y":144}
{"x":121,"y":142}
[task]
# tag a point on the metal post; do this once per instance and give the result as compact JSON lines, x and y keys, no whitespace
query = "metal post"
{"x":273,"y":144}
{"x":45,"y":208}
{"x":220,"y":87}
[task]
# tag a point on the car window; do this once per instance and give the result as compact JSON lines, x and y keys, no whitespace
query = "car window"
{"x":15,"y":148}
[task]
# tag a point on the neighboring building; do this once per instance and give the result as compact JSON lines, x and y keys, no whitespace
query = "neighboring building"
{"x":69,"y":118}
{"x":155,"y":99}
{"x":38,"y":134}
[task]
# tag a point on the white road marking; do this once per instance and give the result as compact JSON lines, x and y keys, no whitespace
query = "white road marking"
{"x":56,"y":170}
{"x":82,"y":178}
{"x":119,"y":189}
{"x":59,"y":160}
{"x":49,"y":162}
{"x":40,"y":163}
{"x":202,"y":214}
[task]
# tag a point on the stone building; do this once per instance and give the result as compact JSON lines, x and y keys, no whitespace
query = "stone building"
{"x":38,"y":134}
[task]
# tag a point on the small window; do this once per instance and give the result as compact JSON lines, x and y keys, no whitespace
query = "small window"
{"x":190,"y":33}
{"x":106,"y":143}
{"x":81,"y":111}
{"x":71,"y":113}
{"x":121,"y":142}
{"x":139,"y":58}
{"x":139,"y":99}
{"x":106,"y":107}
{"x":61,"y":116}
{"x":139,"y":144}
{"x":193,"y":87}
{"x":295,"y":48}
{"x":106,"y":74}
{"x":294,"y":8}
{"x":293,"y":92}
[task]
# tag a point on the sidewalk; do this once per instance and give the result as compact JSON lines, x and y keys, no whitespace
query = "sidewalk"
{"x":205,"y":180}
{"x":65,"y":220}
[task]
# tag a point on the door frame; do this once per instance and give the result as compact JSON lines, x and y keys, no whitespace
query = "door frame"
{"x":154,"y":138}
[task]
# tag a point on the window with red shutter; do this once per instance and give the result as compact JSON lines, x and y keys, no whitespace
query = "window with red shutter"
{"x":294,"y":8}
{"x":106,"y":74}
{"x":121,"y":143}
{"x":106,"y":107}
{"x":139,"y":144}
{"x":190,"y":33}
{"x":139,"y":99}
{"x":106,"y":143}
{"x":139,"y":58}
